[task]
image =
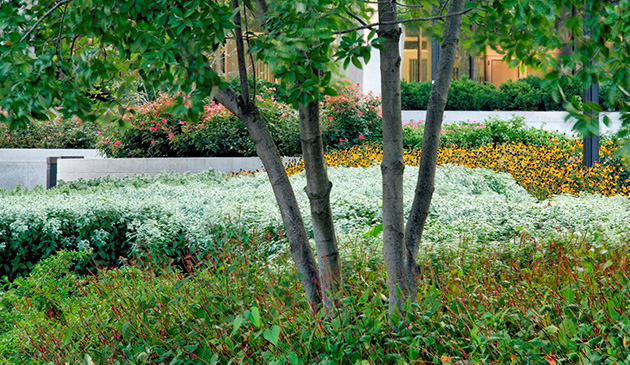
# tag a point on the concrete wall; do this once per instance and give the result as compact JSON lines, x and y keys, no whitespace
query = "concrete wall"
{"x":27,"y":167}
{"x":550,"y":121}
{"x":70,"y":170}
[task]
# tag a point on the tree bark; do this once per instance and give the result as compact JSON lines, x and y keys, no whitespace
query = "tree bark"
{"x":245,"y":109}
{"x":318,"y":191}
{"x":392,"y":166}
{"x":428,"y":159}
{"x":296,"y":232}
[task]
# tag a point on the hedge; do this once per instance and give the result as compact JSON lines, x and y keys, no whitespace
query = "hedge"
{"x":529,"y":93}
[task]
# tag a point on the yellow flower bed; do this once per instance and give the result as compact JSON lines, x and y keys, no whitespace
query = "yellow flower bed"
{"x":542,"y":170}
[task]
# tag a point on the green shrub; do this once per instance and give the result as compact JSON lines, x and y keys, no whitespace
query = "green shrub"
{"x":465,"y":94}
{"x":530,"y":93}
{"x":611,"y":98}
{"x":156,"y":132}
{"x":414,"y":95}
{"x":520,"y":95}
{"x":474,"y":134}
{"x":570,"y":88}
{"x":347,"y":119}
{"x":262,"y":86}
{"x":58,"y":133}
{"x":496,"y":131}
{"x":219,"y":133}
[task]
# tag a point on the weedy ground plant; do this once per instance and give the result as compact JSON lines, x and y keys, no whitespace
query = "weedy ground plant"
{"x":533,"y":301}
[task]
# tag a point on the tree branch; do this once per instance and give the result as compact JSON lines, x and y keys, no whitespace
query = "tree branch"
{"x":443,"y":7}
{"x":251,"y":55}
{"x":409,"y":5}
{"x":356,"y":17}
{"x":240,"y":47}
{"x":63,"y":17}
{"x":42,"y":18}
{"x":424,"y":19}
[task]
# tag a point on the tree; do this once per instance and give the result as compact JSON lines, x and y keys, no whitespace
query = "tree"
{"x":599,"y":54}
{"x":59,"y":54}
{"x":400,"y":244}
{"x":85,"y":46}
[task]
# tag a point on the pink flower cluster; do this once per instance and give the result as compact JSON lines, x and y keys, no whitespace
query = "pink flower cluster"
{"x":413,"y":124}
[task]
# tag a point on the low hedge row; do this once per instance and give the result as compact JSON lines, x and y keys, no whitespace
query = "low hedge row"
{"x":57,"y":133}
{"x":529,"y":93}
{"x":473,"y":134}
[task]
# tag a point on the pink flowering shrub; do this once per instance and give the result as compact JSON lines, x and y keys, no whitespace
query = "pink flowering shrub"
{"x":347,"y":119}
{"x":351,"y":118}
{"x":58,"y":133}
{"x":156,"y":132}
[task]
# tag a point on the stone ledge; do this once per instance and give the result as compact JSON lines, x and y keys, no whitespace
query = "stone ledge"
{"x":71,"y":170}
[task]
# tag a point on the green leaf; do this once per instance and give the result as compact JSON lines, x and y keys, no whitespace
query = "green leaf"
{"x":125,"y":329}
{"x":67,"y":336}
{"x":236,"y":324}
{"x":272,"y":335}
{"x":374,"y":231}
{"x":255,"y":317}
{"x":293,"y":358}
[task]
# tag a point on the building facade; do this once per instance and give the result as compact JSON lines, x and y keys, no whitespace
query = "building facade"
{"x":420,"y":55}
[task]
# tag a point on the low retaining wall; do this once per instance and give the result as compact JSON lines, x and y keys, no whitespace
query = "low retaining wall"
{"x":550,"y":121}
{"x":27,"y":167}
{"x":71,"y":170}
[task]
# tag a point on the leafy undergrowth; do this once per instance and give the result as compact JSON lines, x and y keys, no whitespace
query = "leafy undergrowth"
{"x":562,"y":301}
{"x":547,"y":169}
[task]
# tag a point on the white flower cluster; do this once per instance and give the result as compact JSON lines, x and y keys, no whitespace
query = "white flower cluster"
{"x":472,"y":204}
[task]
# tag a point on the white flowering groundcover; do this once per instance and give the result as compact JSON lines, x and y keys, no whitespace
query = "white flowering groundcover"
{"x":469,"y":204}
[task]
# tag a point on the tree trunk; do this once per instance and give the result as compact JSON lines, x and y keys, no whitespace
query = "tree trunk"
{"x":245,"y":109}
{"x":428,"y":158}
{"x":291,"y":217}
{"x":392,"y":166}
{"x":318,"y":190}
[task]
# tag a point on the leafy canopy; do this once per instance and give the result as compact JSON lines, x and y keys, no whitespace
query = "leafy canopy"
{"x":82,"y":57}
{"x":302,"y":48}
{"x":61,"y":57}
